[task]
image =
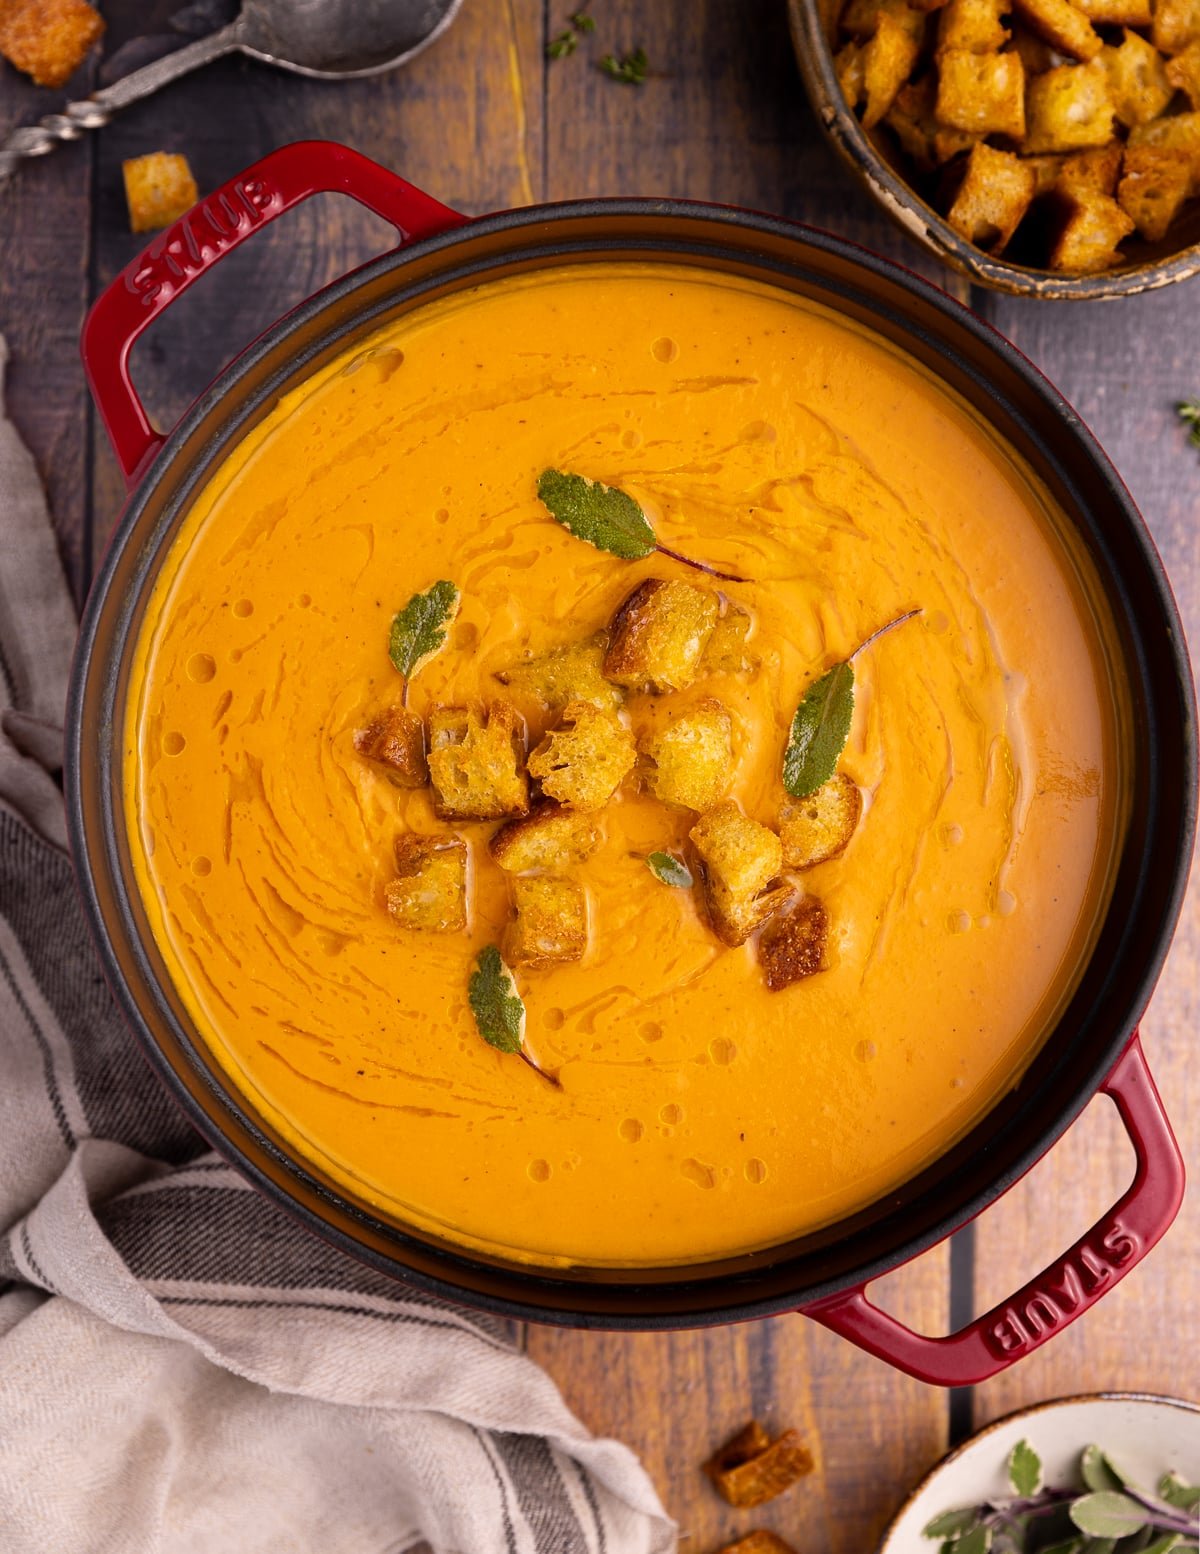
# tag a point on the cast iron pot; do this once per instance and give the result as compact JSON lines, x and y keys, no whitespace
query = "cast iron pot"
{"x":1093,"y":1047}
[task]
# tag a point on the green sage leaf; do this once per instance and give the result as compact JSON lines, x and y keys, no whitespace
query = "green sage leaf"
{"x":950,"y":1523}
{"x":1189,"y":413}
{"x":497,"y":1006}
{"x":1024,"y":1470}
{"x":1172,"y":1489}
{"x":1108,"y":1515}
{"x":604,"y":516}
{"x":669,"y":870}
{"x":819,"y":731}
{"x":1098,"y":1472}
{"x":977,"y":1541}
{"x":419,"y":629}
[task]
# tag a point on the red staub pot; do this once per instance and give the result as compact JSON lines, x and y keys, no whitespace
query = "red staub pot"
{"x":1093,"y":1048}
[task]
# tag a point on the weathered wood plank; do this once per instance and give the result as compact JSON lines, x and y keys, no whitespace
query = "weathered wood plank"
{"x":1123,"y":365}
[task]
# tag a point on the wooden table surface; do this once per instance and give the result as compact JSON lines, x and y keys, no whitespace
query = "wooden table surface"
{"x":484,"y":121}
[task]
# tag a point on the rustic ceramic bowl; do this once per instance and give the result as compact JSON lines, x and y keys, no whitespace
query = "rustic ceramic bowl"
{"x":1149,"y":266}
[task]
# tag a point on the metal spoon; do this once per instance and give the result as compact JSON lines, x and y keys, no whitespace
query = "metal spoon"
{"x":334,"y":40}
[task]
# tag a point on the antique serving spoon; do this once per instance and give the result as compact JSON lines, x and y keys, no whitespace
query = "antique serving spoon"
{"x":333,"y":39}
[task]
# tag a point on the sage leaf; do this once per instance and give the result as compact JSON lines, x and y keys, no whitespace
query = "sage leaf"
{"x":604,"y":516}
{"x":419,"y":629}
{"x":950,"y":1523}
{"x":669,"y":870}
{"x":1172,"y":1489}
{"x":978,"y":1541}
{"x":497,"y":1006}
{"x":819,"y":731}
{"x":1097,"y":1472}
{"x":1108,"y":1515}
{"x":1188,"y":411}
{"x":1024,"y":1470}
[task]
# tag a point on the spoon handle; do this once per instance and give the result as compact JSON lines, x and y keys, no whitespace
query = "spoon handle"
{"x":92,"y":112}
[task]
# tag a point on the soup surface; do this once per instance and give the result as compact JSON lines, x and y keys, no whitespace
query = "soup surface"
{"x":697,"y":1113}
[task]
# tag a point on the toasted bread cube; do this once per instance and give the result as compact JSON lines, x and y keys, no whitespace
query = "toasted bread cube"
{"x":911,"y":120}
{"x":159,"y":188}
{"x":477,"y":763}
{"x":430,"y":889}
{"x":551,"y":922}
{"x":1154,"y":184}
{"x":861,"y":18}
{"x":573,"y":672}
{"x":1180,"y":133}
{"x":740,"y":859}
{"x":993,"y":197}
{"x":692,"y":757}
{"x":548,"y":840}
{"x":396,"y":741}
{"x":1137,"y":80}
{"x":725,"y":652}
{"x":767,"y":1474}
{"x":1183,"y":72}
{"x":1087,"y":241}
{"x":1117,"y":13}
{"x":888,"y":59}
{"x":1069,"y":109}
{"x":793,"y":946}
{"x":981,"y":94}
{"x":582,"y":762}
{"x":1063,"y":25}
{"x":659,"y":634}
{"x":750,"y":1441}
{"x":1091,"y":172}
{"x":947,"y":144}
{"x":1045,"y":170}
{"x":760,"y":1541}
{"x":848,"y":67}
{"x":819,"y":827}
{"x":1176,"y":24}
{"x":1036,"y":54}
{"x":973,"y":25}
{"x":48,"y":39}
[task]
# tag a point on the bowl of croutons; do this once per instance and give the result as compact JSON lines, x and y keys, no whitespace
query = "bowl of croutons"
{"x":1049,"y":148}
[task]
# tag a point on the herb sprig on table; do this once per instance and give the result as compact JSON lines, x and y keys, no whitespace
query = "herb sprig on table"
{"x":1109,"y":1515}
{"x":631,"y":68}
{"x":1188,"y":411}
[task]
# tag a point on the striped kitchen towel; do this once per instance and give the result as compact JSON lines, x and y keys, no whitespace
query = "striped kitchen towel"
{"x":182,"y":1368}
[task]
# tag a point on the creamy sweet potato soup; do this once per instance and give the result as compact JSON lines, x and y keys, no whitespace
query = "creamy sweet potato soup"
{"x":853,"y":976}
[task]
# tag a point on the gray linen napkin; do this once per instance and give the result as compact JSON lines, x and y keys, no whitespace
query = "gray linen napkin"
{"x":182,"y":1369}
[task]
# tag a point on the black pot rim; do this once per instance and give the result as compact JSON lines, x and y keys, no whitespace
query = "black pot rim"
{"x":532,"y":1292}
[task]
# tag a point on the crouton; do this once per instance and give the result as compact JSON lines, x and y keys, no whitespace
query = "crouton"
{"x":848,"y":67}
{"x":396,"y":741}
{"x":692,"y":757}
{"x":792,"y":947}
{"x":911,"y":120}
{"x":582,"y":762}
{"x":659,"y":634}
{"x":974,"y":25}
{"x":887,"y":60}
{"x":760,"y":1541}
{"x":725,"y":652}
{"x":767,"y":1474}
{"x":1045,"y":170}
{"x":981,"y":94}
{"x":819,"y":827}
{"x":1069,"y":109}
{"x":430,"y":889}
{"x":159,"y":188}
{"x":1036,"y":54}
{"x":739,"y":859}
{"x":1091,"y":172}
{"x":1180,"y":133}
{"x":750,"y":1441}
{"x":1154,"y":184}
{"x":573,"y":672}
{"x":1183,"y":72}
{"x":477,"y":762}
{"x":1063,"y":25}
{"x":48,"y":39}
{"x":551,"y":922}
{"x":994,"y":195}
{"x":549,"y":839}
{"x":861,"y":18}
{"x":1116,"y":13}
{"x":1137,"y":80}
{"x":1176,"y":24}
{"x":1087,"y":240}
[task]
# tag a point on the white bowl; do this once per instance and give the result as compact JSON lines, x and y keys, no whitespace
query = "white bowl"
{"x":1146,"y":1436}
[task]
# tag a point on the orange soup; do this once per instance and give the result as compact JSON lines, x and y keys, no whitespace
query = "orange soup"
{"x":684,"y":1109}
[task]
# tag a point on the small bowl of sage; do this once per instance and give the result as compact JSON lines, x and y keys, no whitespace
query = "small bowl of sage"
{"x":1115,"y":1473}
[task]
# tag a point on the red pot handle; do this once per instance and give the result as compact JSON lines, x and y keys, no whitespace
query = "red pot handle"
{"x":209,"y":231}
{"x":1062,"y":1292}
